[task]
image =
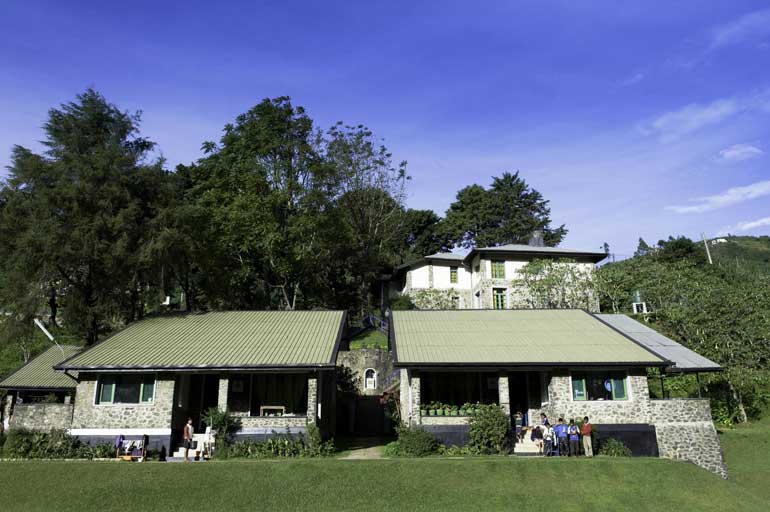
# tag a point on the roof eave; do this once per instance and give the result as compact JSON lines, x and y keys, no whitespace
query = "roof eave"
{"x":525,"y":365}
{"x":204,"y":368}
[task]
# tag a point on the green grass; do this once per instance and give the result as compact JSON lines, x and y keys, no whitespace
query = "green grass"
{"x":433,"y":484}
{"x":369,"y":339}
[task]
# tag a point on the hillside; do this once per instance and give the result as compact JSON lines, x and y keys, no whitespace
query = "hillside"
{"x":748,"y":249}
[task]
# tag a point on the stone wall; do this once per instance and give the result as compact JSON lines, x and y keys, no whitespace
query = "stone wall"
{"x":88,"y":415}
{"x":42,"y":417}
{"x":634,"y":410}
{"x":685,"y":431}
{"x":410,"y":397}
{"x":381,"y":361}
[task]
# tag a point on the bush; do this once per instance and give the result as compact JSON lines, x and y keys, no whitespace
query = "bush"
{"x":222,"y":424}
{"x":56,"y":444}
{"x":412,"y":442}
{"x":455,"y":451}
{"x":614,"y":448}
{"x":490,"y":431}
{"x":310,"y":444}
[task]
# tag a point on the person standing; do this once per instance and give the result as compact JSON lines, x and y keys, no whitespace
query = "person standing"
{"x":561,"y":437}
{"x":574,"y":439}
{"x":586,"y":430}
{"x":519,"y":423}
{"x":187,"y":437}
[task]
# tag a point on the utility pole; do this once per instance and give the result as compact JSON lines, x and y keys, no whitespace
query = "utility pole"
{"x":708,"y":252}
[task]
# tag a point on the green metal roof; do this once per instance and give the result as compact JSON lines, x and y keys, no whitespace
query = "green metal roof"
{"x":38,"y":373}
{"x":220,"y":340}
{"x":513,"y":338}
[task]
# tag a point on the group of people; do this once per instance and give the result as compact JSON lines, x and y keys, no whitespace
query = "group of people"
{"x":562,"y":439}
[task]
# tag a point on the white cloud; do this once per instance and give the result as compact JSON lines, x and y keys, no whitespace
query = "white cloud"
{"x":633,"y":79}
{"x":739,"y":152}
{"x":753,"y":224}
{"x":749,"y":26}
{"x":729,"y":197}
{"x":677,"y":123}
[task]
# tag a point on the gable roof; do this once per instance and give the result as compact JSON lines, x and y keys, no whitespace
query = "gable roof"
{"x":220,"y":340}
{"x":526,"y":337}
{"x":39,"y":373}
{"x":684,"y":359}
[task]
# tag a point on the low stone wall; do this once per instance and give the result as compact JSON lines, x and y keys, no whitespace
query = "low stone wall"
{"x":277,"y":423}
{"x":445,"y":420}
{"x":685,"y":431}
{"x":42,"y":417}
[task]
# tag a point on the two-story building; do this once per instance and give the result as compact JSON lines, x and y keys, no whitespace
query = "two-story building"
{"x":484,"y":278}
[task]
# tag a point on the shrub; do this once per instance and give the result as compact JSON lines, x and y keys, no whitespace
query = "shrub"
{"x":56,"y":444}
{"x":310,"y":444}
{"x":412,"y":442}
{"x":490,"y":431}
{"x":454,"y":451}
{"x":614,"y":448}
{"x":223,"y":424}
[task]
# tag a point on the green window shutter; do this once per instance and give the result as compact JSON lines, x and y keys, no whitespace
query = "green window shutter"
{"x":579,"y":388}
{"x":498,"y":296}
{"x":498,"y":269}
{"x":148,"y":390}
{"x":453,"y":274}
{"x":106,"y":390}
{"x":619,"y":389}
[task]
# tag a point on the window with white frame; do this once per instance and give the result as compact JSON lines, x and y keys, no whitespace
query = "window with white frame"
{"x":125,"y":389}
{"x":370,"y":379}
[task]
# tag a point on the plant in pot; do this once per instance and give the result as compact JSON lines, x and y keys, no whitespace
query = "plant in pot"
{"x":432,"y":409}
{"x":465,"y":409}
{"x":439,"y":409}
{"x":454,"y":411}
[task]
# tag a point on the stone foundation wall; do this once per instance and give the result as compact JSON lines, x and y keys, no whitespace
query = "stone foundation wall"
{"x":445,"y":420}
{"x":123,"y":416}
{"x":42,"y":417}
{"x":278,"y":424}
{"x":685,"y":431}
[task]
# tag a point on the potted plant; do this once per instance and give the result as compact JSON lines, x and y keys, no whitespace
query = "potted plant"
{"x":423,"y":411}
{"x":453,"y":411}
{"x":433,"y":410}
{"x":439,"y":409}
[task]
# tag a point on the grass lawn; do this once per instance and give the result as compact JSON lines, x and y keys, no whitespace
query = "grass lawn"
{"x":369,"y":339}
{"x":433,"y":484}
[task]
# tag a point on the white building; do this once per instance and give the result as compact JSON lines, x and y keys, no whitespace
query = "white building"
{"x":483,"y":278}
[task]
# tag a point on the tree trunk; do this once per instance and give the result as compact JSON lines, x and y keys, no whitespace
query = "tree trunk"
{"x":53,"y":306}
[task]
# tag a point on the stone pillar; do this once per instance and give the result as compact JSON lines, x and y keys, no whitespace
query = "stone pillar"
{"x":6,"y":413}
{"x":430,"y":276}
{"x":403,"y":396}
{"x":504,"y":393}
{"x":312,"y":397}
{"x":224,"y":385}
{"x":416,"y":400}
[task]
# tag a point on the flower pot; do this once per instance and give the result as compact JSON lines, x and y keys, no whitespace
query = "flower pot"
{"x":463,"y":412}
{"x":440,"y":412}
{"x":453,"y":413}
{"x":423,"y":412}
{"x":433,"y":412}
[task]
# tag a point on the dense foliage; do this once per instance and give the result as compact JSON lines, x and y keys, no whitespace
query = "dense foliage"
{"x":490,"y":431}
{"x":309,"y":444}
{"x":278,"y":213}
{"x":56,"y":444}
{"x":721,"y":311}
{"x":412,"y":442}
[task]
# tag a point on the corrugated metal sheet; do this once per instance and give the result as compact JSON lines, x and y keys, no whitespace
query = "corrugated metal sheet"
{"x":512,"y":337}
{"x":233,"y":339}
{"x":685,"y":360}
{"x":38,"y":373}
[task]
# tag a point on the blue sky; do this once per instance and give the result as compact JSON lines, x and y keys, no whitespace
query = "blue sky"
{"x":634,"y":119}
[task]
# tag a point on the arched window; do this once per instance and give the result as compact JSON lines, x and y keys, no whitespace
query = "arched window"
{"x":370,"y":379}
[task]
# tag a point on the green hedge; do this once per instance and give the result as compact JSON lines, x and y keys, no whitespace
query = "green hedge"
{"x":56,"y":444}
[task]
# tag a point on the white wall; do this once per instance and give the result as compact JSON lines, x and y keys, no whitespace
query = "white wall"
{"x":441,"y":278}
{"x":420,"y":277}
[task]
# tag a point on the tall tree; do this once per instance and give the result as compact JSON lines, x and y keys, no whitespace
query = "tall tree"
{"x":263,"y":187}
{"x":506,"y":213}
{"x":76,"y":213}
